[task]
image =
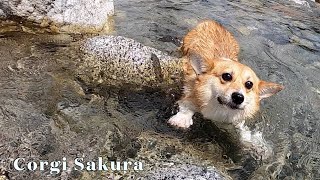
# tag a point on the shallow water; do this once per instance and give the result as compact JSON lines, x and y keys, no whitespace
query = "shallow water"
{"x":47,"y":113}
{"x":280,"y":40}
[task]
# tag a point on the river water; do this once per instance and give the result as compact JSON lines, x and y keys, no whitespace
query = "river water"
{"x":46,"y":112}
{"x":280,"y":40}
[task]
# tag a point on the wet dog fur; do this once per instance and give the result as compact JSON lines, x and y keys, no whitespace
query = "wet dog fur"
{"x":218,"y":86}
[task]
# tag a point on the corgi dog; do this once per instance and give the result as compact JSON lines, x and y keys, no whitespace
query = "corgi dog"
{"x":218,"y":86}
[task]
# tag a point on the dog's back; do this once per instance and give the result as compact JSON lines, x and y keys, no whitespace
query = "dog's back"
{"x":210,"y":40}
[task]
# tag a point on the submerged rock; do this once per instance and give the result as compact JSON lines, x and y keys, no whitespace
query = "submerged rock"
{"x":184,"y":172}
{"x":304,"y":2}
{"x":59,"y":15}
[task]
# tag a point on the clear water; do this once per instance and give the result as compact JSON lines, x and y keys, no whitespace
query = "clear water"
{"x":46,"y":113}
{"x":279,"y":40}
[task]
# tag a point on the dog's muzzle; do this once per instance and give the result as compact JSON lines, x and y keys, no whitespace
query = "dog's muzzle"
{"x":230,"y":105}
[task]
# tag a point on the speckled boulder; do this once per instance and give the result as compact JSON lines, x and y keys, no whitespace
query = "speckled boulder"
{"x":117,"y":61}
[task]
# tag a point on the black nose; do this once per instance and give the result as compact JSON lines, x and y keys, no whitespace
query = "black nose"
{"x":237,"y":98}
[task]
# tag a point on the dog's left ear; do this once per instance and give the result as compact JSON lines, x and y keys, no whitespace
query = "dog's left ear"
{"x":267,"y":89}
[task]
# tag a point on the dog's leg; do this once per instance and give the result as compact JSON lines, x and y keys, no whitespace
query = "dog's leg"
{"x":254,"y":141}
{"x":183,"y":119}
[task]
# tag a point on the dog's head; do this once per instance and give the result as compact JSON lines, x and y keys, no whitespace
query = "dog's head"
{"x":233,"y":87}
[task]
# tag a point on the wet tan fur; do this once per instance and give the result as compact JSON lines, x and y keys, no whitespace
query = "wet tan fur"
{"x":219,"y":49}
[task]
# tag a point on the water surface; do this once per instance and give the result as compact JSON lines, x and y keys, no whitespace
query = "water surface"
{"x":280,"y":40}
{"x":48,"y":113}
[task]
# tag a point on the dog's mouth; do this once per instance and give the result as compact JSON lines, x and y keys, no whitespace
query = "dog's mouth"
{"x":229,"y":104}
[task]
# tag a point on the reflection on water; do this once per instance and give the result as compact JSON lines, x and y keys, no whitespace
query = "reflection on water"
{"x":48,"y":113}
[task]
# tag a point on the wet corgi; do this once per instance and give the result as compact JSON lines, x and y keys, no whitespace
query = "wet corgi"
{"x":217,"y":85}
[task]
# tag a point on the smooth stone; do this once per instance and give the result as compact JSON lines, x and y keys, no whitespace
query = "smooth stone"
{"x":72,"y":16}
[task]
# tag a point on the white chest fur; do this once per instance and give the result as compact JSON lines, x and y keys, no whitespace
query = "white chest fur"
{"x":219,"y":113}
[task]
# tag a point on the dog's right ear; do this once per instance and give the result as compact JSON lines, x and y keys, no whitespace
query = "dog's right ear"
{"x":267,"y":89}
{"x":198,"y":63}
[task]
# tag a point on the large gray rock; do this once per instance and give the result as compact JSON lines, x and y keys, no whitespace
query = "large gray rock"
{"x":61,"y":15}
{"x":117,"y":60}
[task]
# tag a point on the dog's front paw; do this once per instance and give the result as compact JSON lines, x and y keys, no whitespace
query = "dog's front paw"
{"x":181,"y":120}
{"x":259,"y":147}
{"x":254,"y":142}
{"x":261,"y":151}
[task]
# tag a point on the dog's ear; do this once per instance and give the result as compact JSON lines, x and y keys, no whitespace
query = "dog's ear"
{"x":198,"y":64}
{"x":267,"y":89}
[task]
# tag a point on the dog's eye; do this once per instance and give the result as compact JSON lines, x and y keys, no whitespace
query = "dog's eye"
{"x":248,"y":84}
{"x":226,"y":77}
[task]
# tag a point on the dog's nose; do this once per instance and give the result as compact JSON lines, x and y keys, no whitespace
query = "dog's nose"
{"x":237,"y":98}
